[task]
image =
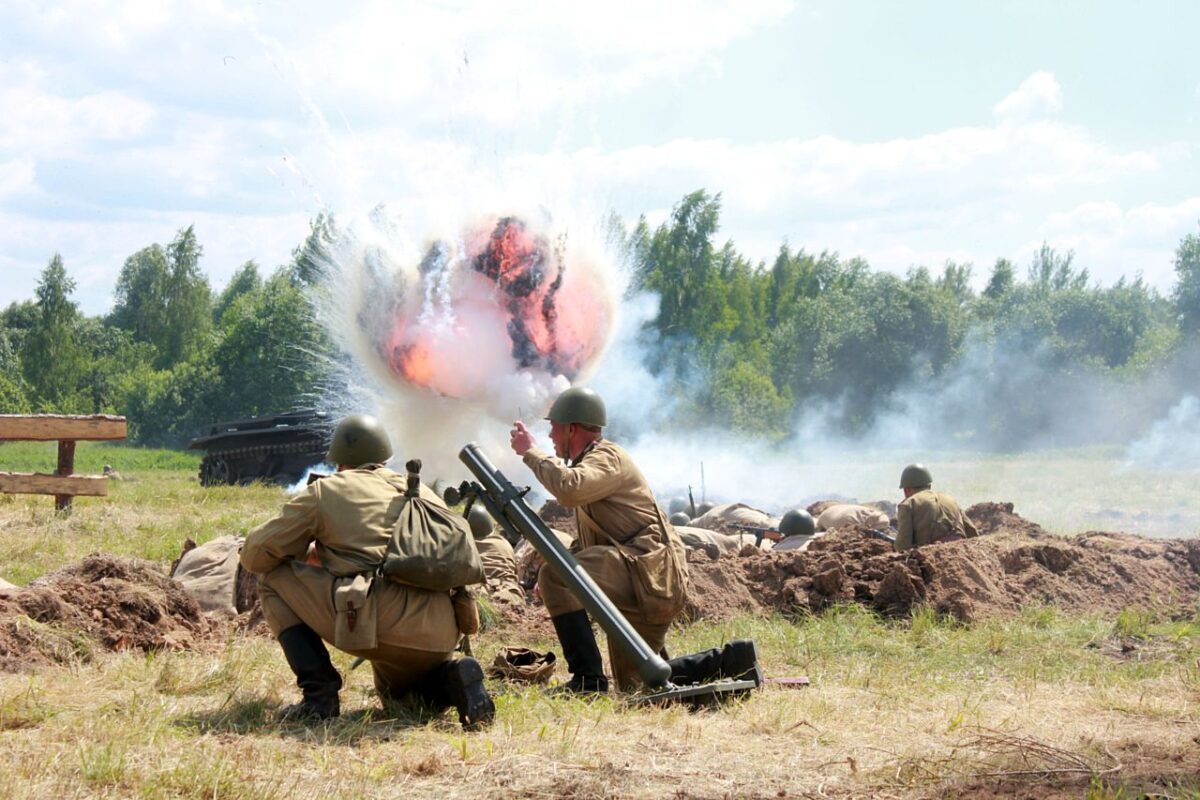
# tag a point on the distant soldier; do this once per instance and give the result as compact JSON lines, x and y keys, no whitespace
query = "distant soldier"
{"x":796,"y":529}
{"x":624,"y":542}
{"x":499,"y":564}
{"x":925,"y":516}
{"x":408,"y":634}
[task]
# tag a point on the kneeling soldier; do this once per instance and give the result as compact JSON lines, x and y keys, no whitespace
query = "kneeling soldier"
{"x":407,"y":634}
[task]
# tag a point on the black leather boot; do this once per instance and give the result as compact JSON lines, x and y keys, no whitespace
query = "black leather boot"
{"x":739,"y":662}
{"x":463,"y":680}
{"x":319,"y":682}
{"x":736,"y":661}
{"x":581,"y":653}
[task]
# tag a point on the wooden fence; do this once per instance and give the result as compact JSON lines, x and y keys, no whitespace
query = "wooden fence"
{"x":66,"y":430}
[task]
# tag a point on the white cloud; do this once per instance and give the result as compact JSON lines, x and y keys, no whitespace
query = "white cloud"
{"x":1038,"y":95}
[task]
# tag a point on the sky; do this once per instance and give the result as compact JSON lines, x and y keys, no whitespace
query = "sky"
{"x":905,"y":133}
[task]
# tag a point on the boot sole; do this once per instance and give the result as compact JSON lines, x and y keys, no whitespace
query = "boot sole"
{"x":465,"y":684}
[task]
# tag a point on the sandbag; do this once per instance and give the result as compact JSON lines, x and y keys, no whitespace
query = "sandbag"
{"x":431,"y":546}
{"x":721,"y":517}
{"x":209,"y":574}
{"x":843,"y":514}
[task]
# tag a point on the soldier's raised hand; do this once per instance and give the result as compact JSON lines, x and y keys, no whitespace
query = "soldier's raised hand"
{"x":520,"y":438}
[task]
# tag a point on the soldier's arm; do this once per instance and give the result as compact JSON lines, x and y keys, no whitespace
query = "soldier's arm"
{"x":285,"y":537}
{"x":969,"y":529}
{"x":596,"y":478}
{"x":904,"y":529}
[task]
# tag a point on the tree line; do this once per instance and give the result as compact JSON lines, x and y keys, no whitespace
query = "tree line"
{"x":172,"y":356}
{"x":743,"y":345}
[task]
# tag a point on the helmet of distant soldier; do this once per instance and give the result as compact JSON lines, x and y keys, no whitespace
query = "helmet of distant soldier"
{"x":579,"y":405}
{"x":680,"y":518}
{"x":677,"y":504}
{"x":703,"y":509}
{"x":797,"y":522}
{"x":359,"y":439}
{"x":915,"y":476}
{"x":480,"y":521}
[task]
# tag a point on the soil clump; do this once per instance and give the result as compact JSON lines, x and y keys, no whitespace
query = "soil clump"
{"x":101,"y":602}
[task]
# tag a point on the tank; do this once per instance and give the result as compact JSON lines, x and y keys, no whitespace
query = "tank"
{"x":275,"y":448}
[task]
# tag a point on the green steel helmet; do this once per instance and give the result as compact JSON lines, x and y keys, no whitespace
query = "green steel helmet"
{"x":480,"y":521}
{"x":359,"y":439}
{"x":680,"y":518}
{"x":797,"y":522}
{"x":703,"y":508}
{"x":915,"y":476}
{"x":579,"y":405}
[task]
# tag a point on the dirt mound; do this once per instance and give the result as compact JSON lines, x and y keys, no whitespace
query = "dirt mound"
{"x":103,"y":601}
{"x":1018,"y":565}
{"x":1000,"y":518}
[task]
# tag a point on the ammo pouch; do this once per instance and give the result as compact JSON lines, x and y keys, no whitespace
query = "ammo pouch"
{"x":431,"y":546}
{"x":354,"y":624}
{"x":466,"y":611}
{"x":657,"y":583}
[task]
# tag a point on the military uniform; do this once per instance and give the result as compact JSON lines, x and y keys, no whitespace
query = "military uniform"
{"x":624,"y":543}
{"x":500,"y":570}
{"x":403,"y":631}
{"x":928,"y":517}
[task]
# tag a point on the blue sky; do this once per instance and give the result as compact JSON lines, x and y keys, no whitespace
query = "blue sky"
{"x":907,"y":133}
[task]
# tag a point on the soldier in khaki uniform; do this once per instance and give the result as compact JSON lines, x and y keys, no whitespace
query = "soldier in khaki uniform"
{"x":624,"y":542}
{"x":407,"y":634}
{"x":496,"y":554}
{"x":925,"y":516}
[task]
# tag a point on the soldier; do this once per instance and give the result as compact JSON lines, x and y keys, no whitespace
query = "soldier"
{"x":925,"y":516}
{"x":624,"y":542}
{"x":796,"y":528}
{"x":407,"y":634}
{"x":499,"y":565}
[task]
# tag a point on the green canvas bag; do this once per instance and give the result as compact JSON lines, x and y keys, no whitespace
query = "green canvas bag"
{"x":431,"y":546}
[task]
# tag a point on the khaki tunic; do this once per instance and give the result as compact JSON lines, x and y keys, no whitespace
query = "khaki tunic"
{"x":500,"y":570}
{"x":613,"y":506}
{"x":929,"y":517}
{"x":350,"y":516}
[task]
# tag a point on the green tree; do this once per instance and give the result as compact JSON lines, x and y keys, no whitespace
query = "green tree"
{"x":164,"y":299}
{"x":311,"y":260}
{"x":1186,"y":295}
{"x":245,"y":281}
{"x":53,"y":361}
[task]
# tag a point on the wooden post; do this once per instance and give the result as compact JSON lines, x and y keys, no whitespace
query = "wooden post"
{"x":66,"y":466}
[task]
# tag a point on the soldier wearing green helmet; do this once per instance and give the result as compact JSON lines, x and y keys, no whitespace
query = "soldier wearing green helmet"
{"x":407,"y":634}
{"x":625,"y":543}
{"x":496,"y":555}
{"x":924,"y":516}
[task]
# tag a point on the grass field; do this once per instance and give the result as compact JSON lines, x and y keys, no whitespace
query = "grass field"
{"x":1043,"y":705}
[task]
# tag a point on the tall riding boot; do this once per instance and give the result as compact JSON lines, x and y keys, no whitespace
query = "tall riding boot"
{"x":319,"y":682}
{"x":459,"y":683}
{"x":581,"y":653}
{"x":736,"y":661}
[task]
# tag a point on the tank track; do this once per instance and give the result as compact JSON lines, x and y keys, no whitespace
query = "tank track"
{"x":242,"y":464}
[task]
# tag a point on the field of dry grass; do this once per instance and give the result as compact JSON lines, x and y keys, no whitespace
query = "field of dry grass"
{"x":1042,"y":705}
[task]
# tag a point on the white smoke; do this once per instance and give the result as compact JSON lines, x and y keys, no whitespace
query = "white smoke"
{"x":1173,"y":442}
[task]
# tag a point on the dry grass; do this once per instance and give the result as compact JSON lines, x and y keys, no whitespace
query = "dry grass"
{"x":1043,"y":705}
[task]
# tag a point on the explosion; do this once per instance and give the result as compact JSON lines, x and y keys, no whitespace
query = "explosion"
{"x":465,"y":333}
{"x":506,"y":289}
